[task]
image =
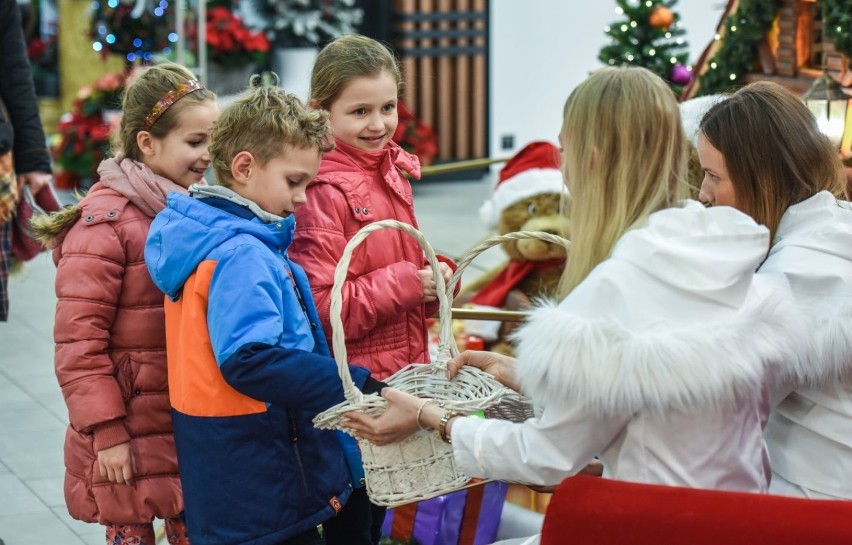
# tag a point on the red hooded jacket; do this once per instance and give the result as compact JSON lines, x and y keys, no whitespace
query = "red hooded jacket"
{"x":384,"y":316}
{"x":111,"y":351}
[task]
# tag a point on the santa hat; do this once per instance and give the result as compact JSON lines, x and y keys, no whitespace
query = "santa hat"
{"x":692,"y":112}
{"x":534,"y":170}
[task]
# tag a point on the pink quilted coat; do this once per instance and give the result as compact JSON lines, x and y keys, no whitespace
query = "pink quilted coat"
{"x":111,"y":362}
{"x":383,"y":314}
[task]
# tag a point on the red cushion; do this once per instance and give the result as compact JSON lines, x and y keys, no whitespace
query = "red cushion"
{"x":595,"y":511}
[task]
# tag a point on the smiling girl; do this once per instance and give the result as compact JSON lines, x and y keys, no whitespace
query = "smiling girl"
{"x":389,"y":291}
{"x":121,"y":466}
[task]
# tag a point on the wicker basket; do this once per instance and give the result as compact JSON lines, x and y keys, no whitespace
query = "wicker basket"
{"x":513,"y":406}
{"x":421,"y":466}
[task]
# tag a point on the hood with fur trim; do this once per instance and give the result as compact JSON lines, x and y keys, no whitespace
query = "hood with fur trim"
{"x":813,"y":251}
{"x":673,"y":320}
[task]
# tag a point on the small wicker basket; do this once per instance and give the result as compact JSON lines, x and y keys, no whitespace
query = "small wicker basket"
{"x":421,"y":466}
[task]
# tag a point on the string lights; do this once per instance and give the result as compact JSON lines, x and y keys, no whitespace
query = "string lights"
{"x":137,"y":31}
{"x":650,"y":36}
{"x":744,"y":29}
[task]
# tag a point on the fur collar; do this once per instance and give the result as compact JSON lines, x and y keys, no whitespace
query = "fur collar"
{"x":829,"y":356}
{"x":610,"y":369}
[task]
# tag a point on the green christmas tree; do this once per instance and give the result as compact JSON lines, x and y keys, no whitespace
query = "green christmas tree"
{"x":649,"y":35}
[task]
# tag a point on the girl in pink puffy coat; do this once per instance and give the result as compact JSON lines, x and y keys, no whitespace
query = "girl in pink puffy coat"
{"x":121,"y":466}
{"x":389,"y":291}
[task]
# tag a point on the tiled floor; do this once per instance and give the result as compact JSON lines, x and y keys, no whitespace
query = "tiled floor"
{"x":32,"y":412}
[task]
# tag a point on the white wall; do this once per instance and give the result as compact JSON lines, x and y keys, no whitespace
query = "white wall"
{"x":541,"y":49}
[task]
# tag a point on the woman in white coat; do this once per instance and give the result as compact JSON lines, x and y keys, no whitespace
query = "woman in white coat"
{"x":657,"y":356}
{"x":763,"y":153}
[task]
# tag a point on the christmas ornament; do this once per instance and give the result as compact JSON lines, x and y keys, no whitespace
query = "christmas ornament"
{"x":661,"y":17}
{"x":680,"y":75}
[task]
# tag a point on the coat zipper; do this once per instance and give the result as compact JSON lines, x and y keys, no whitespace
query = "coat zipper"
{"x":294,"y":439}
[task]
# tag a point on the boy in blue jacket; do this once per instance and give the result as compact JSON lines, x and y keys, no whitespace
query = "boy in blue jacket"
{"x":248,"y":361}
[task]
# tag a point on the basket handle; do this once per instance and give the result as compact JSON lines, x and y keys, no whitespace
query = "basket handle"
{"x":494,"y":241}
{"x":351,"y":392}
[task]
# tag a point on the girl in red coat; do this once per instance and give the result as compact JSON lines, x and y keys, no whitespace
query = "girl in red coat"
{"x":121,"y":466}
{"x":389,"y":291}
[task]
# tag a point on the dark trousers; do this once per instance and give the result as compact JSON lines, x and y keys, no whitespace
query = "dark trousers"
{"x":358,"y":523}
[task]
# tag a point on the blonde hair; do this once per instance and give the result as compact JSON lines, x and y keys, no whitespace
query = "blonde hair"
{"x":773,"y":149}
{"x":346,"y":58}
{"x":262,"y":122}
{"x":143,"y":93}
{"x":624,"y":157}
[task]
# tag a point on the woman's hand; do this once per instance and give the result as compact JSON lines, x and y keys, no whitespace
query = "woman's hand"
{"x":116,"y":463}
{"x":398,"y":421}
{"x":36,"y":180}
{"x":499,"y":366}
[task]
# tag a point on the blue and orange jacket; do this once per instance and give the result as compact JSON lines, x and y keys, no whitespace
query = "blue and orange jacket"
{"x":248,"y":370}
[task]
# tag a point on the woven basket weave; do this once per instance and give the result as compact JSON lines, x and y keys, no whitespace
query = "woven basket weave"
{"x":421,"y":466}
{"x":512,"y":406}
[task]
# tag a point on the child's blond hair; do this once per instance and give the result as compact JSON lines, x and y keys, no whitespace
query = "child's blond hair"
{"x":346,"y":58}
{"x":143,"y":92}
{"x":625,"y":156}
{"x":262,"y":122}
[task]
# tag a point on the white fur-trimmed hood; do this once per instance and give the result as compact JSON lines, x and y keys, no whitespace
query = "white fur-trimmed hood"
{"x":603,"y":365}
{"x":831,"y":344}
{"x":813,"y":252}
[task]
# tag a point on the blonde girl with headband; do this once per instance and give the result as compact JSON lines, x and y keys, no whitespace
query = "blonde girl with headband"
{"x":656,"y":357}
{"x":121,"y":466}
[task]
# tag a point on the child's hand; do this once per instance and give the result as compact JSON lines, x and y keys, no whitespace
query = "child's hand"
{"x":446,"y":272}
{"x":116,"y":463}
{"x":427,"y":280}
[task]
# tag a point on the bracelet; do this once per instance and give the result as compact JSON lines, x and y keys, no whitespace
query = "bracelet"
{"x":442,"y":426}
{"x":419,"y":410}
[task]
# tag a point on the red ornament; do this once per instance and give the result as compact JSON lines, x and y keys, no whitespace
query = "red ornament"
{"x":661,"y":17}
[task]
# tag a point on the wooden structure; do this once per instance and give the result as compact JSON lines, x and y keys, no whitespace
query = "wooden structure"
{"x":794,"y":52}
{"x":443,"y":47}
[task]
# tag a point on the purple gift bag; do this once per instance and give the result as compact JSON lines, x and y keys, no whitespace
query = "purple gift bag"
{"x":466,"y":517}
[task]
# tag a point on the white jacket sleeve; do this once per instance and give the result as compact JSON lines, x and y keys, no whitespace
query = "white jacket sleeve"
{"x":541,"y":451}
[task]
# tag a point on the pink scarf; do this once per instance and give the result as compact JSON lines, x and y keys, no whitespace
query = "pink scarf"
{"x":138,"y":183}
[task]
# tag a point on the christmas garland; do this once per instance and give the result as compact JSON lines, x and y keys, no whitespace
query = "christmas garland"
{"x":743,"y":31}
{"x":837,"y":22}
{"x":752,"y":21}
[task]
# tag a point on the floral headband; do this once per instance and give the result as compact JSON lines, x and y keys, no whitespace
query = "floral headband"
{"x":169,"y":99}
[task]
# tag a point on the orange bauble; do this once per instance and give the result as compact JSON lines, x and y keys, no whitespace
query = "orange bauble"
{"x":661,"y":17}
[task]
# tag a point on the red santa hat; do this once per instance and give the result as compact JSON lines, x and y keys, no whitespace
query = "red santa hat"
{"x":534,"y":170}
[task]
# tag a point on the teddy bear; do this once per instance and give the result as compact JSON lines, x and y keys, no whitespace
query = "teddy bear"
{"x":529,"y":195}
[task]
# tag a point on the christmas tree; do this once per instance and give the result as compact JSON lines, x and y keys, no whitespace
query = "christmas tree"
{"x":649,"y":35}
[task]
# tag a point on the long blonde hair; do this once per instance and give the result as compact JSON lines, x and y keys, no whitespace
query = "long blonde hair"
{"x":625,"y":156}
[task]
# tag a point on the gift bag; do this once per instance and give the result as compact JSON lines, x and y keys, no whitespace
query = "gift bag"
{"x":466,"y":517}
{"x":25,"y":246}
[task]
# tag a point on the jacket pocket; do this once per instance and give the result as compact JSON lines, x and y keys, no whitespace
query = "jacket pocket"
{"x":125,"y":377}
